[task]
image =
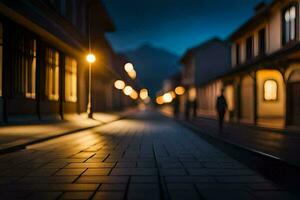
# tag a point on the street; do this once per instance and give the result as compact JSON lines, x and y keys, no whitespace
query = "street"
{"x":145,"y":156}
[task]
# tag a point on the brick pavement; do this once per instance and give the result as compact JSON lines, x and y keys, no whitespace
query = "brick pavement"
{"x":146,"y":156}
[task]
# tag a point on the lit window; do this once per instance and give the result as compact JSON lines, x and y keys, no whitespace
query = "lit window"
{"x":71,"y":80}
{"x":52,"y":74}
{"x":30,"y":71}
{"x":270,"y":90}
{"x":289,"y":24}
{"x":23,"y":62}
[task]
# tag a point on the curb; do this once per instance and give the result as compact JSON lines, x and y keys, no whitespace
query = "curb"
{"x":23,"y":145}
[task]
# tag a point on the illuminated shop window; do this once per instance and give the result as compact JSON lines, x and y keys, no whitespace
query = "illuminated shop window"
{"x":71,"y":79}
{"x":52,"y":74}
{"x":270,"y":90}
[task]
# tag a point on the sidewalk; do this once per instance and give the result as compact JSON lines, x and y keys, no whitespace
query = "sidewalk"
{"x":280,"y":145}
{"x":17,"y":136}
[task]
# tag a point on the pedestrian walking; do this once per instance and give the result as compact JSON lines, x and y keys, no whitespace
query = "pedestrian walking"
{"x":187,"y":109}
{"x":176,"y":107}
{"x":221,"y":106}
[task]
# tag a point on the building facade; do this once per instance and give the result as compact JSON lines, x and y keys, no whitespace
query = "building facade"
{"x":200,"y":67}
{"x":265,"y":76}
{"x":43,"y":71}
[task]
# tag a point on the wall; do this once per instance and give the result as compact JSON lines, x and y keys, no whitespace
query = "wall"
{"x":207,"y":97}
{"x":207,"y":66}
{"x":247,"y":99}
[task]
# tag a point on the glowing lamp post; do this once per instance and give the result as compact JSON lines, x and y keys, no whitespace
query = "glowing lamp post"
{"x":90,"y":59}
{"x":119,"y":84}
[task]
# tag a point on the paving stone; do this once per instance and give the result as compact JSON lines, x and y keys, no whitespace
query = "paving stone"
{"x":126,"y":164}
{"x":50,"y":179}
{"x":77,"y":195}
{"x":134,"y":171}
{"x":97,"y":172}
{"x":242,"y":179}
{"x":83,"y":155}
{"x":104,"y":195}
{"x":152,"y":195}
{"x":180,"y":186}
{"x":113,"y":187}
{"x":189,"y":179}
{"x":44,"y":195}
{"x":146,"y":164}
{"x":173,"y":172}
{"x":70,"y":172}
{"x":91,"y":165}
{"x":221,"y":194}
{"x":184,"y":194}
{"x":144,"y":179}
{"x":53,"y":187}
{"x":103,"y":179}
{"x":43,"y":172}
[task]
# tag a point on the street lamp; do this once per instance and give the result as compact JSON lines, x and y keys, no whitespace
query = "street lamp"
{"x":90,"y":59}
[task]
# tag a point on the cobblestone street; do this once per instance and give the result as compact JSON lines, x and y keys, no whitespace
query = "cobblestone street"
{"x":146,"y":156}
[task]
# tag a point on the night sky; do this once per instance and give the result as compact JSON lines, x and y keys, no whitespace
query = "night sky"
{"x":174,"y":24}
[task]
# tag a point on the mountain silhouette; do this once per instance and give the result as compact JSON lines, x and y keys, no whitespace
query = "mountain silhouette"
{"x":153,"y":65}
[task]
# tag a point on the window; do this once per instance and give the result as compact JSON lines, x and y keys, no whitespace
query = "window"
{"x":262,"y":41}
{"x":71,"y":79}
{"x":52,"y":74}
{"x":289,"y":27}
{"x":22,"y":47}
{"x":237,"y":54}
{"x":249,"y":48}
{"x":270,"y":90}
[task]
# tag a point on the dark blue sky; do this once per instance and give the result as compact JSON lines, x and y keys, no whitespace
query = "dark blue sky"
{"x":174,"y":24}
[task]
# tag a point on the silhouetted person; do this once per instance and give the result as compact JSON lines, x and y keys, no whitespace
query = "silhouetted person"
{"x":195,"y":107}
{"x":187,"y":109}
{"x":176,"y":106}
{"x":221,"y":107}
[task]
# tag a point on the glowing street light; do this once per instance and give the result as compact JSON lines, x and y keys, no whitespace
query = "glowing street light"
{"x":128,"y":67}
{"x":132,"y":74}
{"x":144,"y":94}
{"x":119,"y":84}
{"x":179,"y":90}
{"x":167,"y":97}
{"x":90,"y":59}
{"x":160,"y":100}
{"x":134,"y":95}
{"x":127,"y":90}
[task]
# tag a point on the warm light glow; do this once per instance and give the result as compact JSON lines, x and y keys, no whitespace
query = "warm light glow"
{"x":173,"y":94}
{"x":147,"y":100}
{"x":167,"y":98}
{"x":128,"y":67}
{"x":91,"y":58}
{"x":127,"y":90}
{"x":144,"y":94}
{"x":270,"y":90}
{"x":159,"y":100}
{"x":179,"y":90}
{"x":192,"y":94}
{"x":132,"y":74}
{"x":134,"y":95}
{"x":119,"y":84}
